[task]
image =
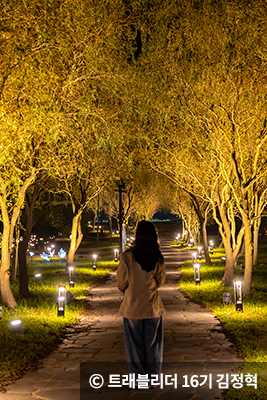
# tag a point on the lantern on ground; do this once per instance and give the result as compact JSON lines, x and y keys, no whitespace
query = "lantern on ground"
{"x":116,"y":254}
{"x":61,"y":301}
{"x":71,"y":276}
{"x":16,"y":326}
{"x":196,"y":273}
{"x":38,"y":276}
{"x":199,"y":252}
{"x":238,"y":295}
{"x":94,"y":261}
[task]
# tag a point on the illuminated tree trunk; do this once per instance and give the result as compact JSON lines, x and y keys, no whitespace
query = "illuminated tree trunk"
{"x":248,"y":255}
{"x":227,"y":233}
{"x":76,"y":237}
{"x":256,"y":228}
{"x":7,"y":295}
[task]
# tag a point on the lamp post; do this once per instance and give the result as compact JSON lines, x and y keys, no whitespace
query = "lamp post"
{"x":211,"y":246}
{"x":196,"y":273}
{"x":116,"y":254}
{"x":199,"y":252}
{"x":194,"y":257}
{"x":61,"y":301}
{"x":71,"y":276}
{"x":94,"y":261}
{"x":178,"y":238}
{"x":238,"y":295}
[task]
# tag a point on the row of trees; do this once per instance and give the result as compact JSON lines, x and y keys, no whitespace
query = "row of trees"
{"x":210,"y":116}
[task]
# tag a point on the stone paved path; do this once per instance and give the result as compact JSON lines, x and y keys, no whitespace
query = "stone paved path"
{"x":193,"y":340}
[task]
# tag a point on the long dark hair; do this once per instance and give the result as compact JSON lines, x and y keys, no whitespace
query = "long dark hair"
{"x":146,"y":249}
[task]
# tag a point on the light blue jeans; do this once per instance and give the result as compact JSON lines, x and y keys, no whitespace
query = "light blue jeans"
{"x":143,"y":341}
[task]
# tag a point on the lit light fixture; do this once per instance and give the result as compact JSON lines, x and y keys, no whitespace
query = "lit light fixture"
{"x":116,"y":254}
{"x":178,"y":238}
{"x":199,"y":252}
{"x":94,"y":261}
{"x":71,"y":276}
{"x":194,"y":257}
{"x":238,"y":295}
{"x":211,"y":243}
{"x":61,"y":301}
{"x":223,"y":260}
{"x":16,"y":326}
{"x":38,"y":276}
{"x":227,"y":298}
{"x":196,"y":273}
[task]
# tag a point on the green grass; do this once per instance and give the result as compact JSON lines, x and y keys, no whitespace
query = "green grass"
{"x":247,"y":329}
{"x":42,"y":328}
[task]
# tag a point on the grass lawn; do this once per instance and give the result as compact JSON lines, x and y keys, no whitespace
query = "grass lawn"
{"x":247,"y":329}
{"x":42,"y":327}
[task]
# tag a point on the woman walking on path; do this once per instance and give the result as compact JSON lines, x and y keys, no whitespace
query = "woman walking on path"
{"x":140,"y":272}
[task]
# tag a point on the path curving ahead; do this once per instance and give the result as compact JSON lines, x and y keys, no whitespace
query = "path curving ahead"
{"x":193,"y":343}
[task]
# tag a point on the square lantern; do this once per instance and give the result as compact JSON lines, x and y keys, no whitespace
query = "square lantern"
{"x":196,"y":273}
{"x":116,"y":254}
{"x":94,"y":261}
{"x":71,"y":276}
{"x":238,"y":295}
{"x":61,"y":301}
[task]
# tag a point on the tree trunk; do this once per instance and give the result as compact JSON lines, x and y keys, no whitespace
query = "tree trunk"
{"x":76,"y":238}
{"x":248,"y":255}
{"x":110,"y":229}
{"x":205,"y":240}
{"x":256,"y":229}
{"x":14,"y":268}
{"x":230,"y":264}
{"x":23,"y":271}
{"x":6,"y":292}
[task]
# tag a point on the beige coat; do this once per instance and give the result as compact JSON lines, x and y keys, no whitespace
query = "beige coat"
{"x":141,"y":299}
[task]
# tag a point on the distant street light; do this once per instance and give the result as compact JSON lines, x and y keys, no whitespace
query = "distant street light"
{"x":71,"y":276}
{"x":194,"y":257}
{"x":238,"y":295}
{"x":61,"y":301}
{"x":116,"y":254}
{"x":94,"y":261}
{"x":196,"y":273}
